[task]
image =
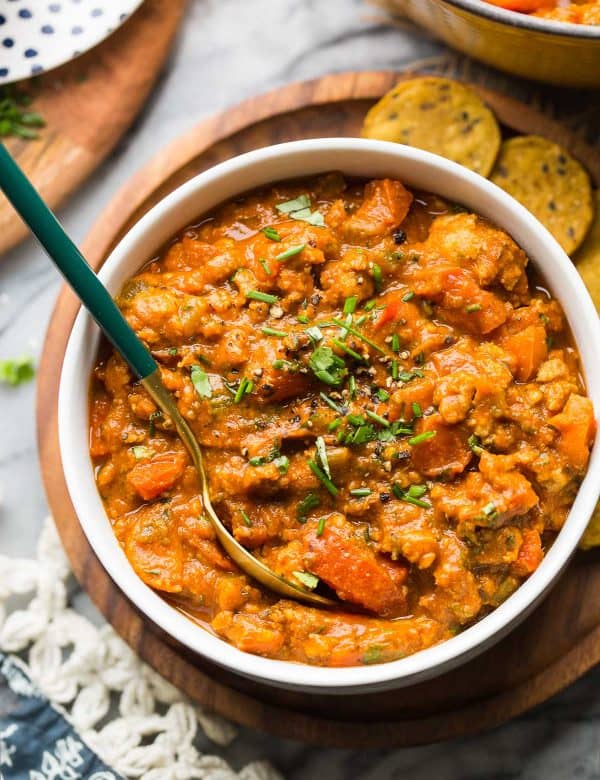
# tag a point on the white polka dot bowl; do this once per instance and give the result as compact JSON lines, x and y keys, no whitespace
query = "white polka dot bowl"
{"x":38,"y":35}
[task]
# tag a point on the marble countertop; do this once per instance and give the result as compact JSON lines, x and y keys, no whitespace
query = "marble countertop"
{"x":229,"y":50}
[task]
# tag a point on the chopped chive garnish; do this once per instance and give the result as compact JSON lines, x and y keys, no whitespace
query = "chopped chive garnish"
{"x":408,"y":296}
{"x":352,"y":387}
{"x":265,"y":266}
{"x":307,"y":579}
{"x":303,"y":318}
{"x":395,"y":343}
{"x":314,"y":333}
{"x":367,"y":534}
{"x":356,"y":419}
{"x":473,"y":307}
{"x":369,"y":305}
{"x":321,"y":526}
{"x":273,"y":332}
{"x":421,"y":437}
{"x":383,"y":395}
{"x":257,"y":295}
{"x":395,"y":372}
{"x":358,"y":334}
{"x":334,"y":424}
{"x":490,"y":510}
{"x":244,"y":388}
{"x":322,"y":455}
{"x":323,"y":478}
{"x":360,"y":320}
{"x":173,"y":351}
{"x":271,"y":233}
{"x":416,"y":410}
{"x":377,"y":276}
{"x":350,"y":304}
{"x":332,"y":404}
{"x":309,"y":502}
{"x":377,"y":418}
{"x":154,"y":417}
{"x":412,"y":495}
{"x":245,"y":518}
{"x":361,"y":492}
{"x":201,"y":381}
{"x":345,"y":348}
{"x":293,"y":250}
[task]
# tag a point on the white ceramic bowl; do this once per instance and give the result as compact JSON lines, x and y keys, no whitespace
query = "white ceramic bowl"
{"x":354,"y":157}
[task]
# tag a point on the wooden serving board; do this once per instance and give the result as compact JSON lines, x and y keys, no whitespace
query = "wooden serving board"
{"x":556,"y":644}
{"x":88,"y":104}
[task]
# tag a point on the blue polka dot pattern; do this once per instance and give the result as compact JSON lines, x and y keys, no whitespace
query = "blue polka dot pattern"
{"x":38,"y":35}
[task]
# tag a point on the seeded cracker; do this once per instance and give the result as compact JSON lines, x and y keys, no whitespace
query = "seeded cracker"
{"x":587,"y":261}
{"x":438,"y":115}
{"x":550,"y":183}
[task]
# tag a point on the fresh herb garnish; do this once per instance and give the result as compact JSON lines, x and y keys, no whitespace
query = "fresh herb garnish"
{"x":473,"y":307}
{"x":332,"y":404}
{"x":350,"y":304}
{"x":356,"y":333}
{"x":421,"y":437}
{"x":303,"y":318}
{"x":14,"y":120}
{"x":416,"y":410}
{"x":257,"y":295}
{"x":327,"y":366}
{"x":309,"y":502}
{"x":245,"y":387}
{"x":299,"y":208}
{"x":377,"y":418}
{"x":323,"y":478}
{"x":475,"y":444}
{"x":297,"y":204}
{"x":265,"y":265}
{"x":383,"y":395}
{"x":322,"y":455}
{"x":157,"y":415}
{"x":314,"y":333}
{"x":281,"y":334}
{"x":307,"y":579}
{"x":345,"y":348}
{"x":271,"y":232}
{"x":408,"y":296}
{"x":321,"y":526}
{"x":372,"y":655}
{"x":16,"y":371}
{"x":361,"y":492}
{"x":201,"y":381}
{"x":140,"y":452}
{"x":395,"y":343}
{"x":282,"y":462}
{"x":293,"y":250}
{"x":245,"y":518}
{"x":352,"y":387}
{"x":412,"y":495}
{"x":377,"y":276}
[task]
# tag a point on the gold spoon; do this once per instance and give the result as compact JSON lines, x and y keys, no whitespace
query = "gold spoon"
{"x":98,"y":301}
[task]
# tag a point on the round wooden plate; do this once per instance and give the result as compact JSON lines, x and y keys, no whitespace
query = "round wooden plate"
{"x":557,"y":643}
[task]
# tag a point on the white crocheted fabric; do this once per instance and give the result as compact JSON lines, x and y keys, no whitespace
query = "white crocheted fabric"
{"x":134,"y":720}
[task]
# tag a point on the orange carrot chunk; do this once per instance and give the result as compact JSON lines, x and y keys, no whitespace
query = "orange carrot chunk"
{"x":151,"y":479}
{"x":577,"y":427}
{"x":527,"y":349}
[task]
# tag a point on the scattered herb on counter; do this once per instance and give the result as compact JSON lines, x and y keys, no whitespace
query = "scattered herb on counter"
{"x":15,"y":120}
{"x":17,"y":371}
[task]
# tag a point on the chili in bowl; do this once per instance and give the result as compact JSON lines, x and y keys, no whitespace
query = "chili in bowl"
{"x":389,"y":395}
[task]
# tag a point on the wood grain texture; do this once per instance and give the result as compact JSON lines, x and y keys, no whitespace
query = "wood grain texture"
{"x":554,"y":646}
{"x":88,"y":104}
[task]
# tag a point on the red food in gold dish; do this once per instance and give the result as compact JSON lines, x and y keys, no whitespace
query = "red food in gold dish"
{"x":391,"y":411}
{"x":558,"y":10}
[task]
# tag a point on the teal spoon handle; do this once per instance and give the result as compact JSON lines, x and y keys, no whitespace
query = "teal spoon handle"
{"x":71,"y":263}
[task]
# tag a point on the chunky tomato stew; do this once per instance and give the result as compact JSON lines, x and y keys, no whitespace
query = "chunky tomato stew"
{"x":391,"y":413}
{"x":578,"y":12}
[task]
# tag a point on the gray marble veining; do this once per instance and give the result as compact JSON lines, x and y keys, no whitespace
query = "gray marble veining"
{"x":229,"y":50}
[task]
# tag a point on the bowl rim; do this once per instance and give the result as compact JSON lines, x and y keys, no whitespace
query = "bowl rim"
{"x":525,"y":21}
{"x":78,"y":468}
